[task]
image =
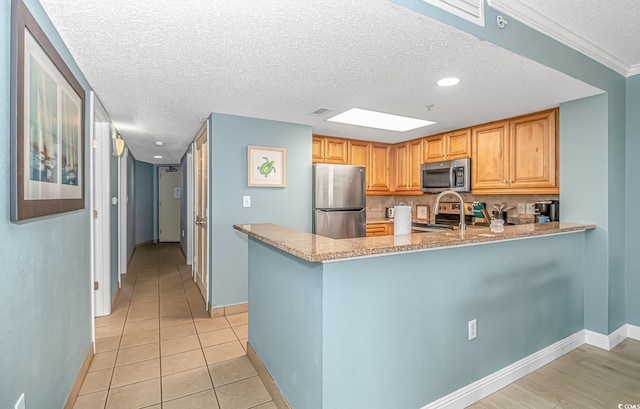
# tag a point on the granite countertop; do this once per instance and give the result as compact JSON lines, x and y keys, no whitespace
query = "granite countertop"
{"x":311,"y":247}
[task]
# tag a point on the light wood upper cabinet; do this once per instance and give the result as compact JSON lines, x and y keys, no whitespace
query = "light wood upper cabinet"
{"x":533,"y":151}
{"x":516,"y":156}
{"x":490,"y":156}
{"x":326,"y":149}
{"x":408,"y":159}
{"x":447,"y":146}
{"x":375,"y":157}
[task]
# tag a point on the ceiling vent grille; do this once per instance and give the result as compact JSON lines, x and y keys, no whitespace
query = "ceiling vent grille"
{"x":470,"y":10}
{"x":321,"y":111}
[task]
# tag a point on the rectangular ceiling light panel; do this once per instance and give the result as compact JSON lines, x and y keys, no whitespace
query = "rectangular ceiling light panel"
{"x":470,"y":10}
{"x":379,"y":120}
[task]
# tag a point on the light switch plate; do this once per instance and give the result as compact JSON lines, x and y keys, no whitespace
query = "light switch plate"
{"x":246,"y":201}
{"x":20,"y":404}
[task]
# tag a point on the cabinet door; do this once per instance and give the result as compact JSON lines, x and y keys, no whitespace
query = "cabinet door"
{"x":379,"y":172}
{"x":533,"y":151}
{"x":458,"y":144}
{"x":317,"y":149}
{"x":335,"y":151}
{"x":376,"y":229}
{"x":359,"y":153}
{"x":402,"y":166}
{"x":490,"y":156}
{"x":415,"y":160}
{"x":434,"y":148}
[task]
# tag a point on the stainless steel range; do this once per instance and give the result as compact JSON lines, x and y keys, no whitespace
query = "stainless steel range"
{"x":447,"y":219}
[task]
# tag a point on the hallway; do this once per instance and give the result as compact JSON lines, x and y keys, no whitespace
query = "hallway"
{"x":158,"y":348}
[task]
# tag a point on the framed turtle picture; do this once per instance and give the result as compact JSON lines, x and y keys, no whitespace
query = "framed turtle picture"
{"x":266,"y":167}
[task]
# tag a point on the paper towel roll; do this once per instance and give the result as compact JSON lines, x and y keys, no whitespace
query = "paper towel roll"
{"x":402,"y":220}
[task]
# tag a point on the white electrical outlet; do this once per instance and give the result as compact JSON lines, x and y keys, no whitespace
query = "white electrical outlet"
{"x":246,"y":201}
{"x":473,"y":329}
{"x":531,"y":208}
{"x":20,"y":404}
{"x":521,"y":208}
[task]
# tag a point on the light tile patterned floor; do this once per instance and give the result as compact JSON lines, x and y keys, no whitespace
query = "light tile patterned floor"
{"x":158,"y":348}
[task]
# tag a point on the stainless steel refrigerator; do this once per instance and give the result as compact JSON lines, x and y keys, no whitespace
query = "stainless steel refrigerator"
{"x":339,"y":201}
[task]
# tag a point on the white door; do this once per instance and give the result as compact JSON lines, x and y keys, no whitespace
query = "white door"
{"x":101,"y":226}
{"x":200,"y":209}
{"x":169,"y":195}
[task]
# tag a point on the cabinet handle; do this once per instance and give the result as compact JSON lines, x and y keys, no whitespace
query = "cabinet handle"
{"x":510,"y":181}
{"x":504,"y":181}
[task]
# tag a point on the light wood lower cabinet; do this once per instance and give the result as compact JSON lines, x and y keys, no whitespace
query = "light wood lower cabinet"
{"x":516,"y":156}
{"x":379,"y":229}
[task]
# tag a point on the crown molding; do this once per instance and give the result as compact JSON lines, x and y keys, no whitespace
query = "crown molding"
{"x":539,"y":22}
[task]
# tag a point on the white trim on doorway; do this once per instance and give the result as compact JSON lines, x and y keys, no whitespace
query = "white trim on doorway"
{"x":123,"y":201}
{"x":100,"y":206}
{"x":190,"y":220}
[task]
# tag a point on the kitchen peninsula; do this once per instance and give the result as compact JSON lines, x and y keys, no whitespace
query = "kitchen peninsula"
{"x":382,"y":322}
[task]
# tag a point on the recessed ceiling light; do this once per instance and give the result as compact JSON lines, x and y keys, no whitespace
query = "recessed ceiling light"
{"x":159,"y":143}
{"x":447,"y":82}
{"x":157,"y":157}
{"x":379,"y":120}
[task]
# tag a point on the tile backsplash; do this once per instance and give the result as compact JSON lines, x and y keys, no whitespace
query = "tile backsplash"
{"x":376,"y":204}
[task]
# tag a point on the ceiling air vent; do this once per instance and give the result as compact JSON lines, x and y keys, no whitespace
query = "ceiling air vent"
{"x":471,"y":10}
{"x":321,"y":111}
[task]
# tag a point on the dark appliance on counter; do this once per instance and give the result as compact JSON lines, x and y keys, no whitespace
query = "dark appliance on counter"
{"x":436,"y":177}
{"x":339,"y":201}
{"x":548,"y":208}
{"x":448,"y":218}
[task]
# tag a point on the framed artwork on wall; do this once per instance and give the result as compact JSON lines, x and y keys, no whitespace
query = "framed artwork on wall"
{"x":266,"y":167}
{"x":47,"y":124}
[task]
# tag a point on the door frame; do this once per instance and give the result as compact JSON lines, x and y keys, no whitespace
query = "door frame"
{"x":100,"y":152}
{"x":123,"y":201}
{"x":203,"y":130}
{"x":189,"y":233}
{"x":159,"y":170}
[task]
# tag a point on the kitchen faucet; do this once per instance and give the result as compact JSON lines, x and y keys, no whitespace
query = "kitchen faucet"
{"x":436,"y":206}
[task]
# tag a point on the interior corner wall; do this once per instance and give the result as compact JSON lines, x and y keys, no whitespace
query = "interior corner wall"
{"x":289,"y":206}
{"x":583,"y":144}
{"x":144,"y":198}
{"x":632,"y":267}
{"x":45,"y":292}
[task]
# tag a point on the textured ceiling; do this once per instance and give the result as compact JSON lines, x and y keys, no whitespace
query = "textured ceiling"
{"x":158,"y":66}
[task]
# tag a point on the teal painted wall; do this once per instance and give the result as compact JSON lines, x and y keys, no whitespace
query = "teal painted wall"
{"x":290,"y":206}
{"x":583,"y":141}
{"x":633,"y":198}
{"x":45,"y":292}
{"x":531,"y":44}
{"x":394,"y":328}
{"x":144,"y":202}
{"x":284,"y":290}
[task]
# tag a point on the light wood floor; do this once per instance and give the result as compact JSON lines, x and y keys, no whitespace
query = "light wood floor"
{"x":587,"y":377}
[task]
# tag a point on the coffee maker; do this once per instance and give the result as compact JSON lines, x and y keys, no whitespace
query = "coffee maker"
{"x":549,"y":209}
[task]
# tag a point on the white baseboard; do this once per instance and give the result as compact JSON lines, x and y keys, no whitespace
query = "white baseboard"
{"x":633,"y":332}
{"x":486,"y":386}
{"x":607,"y":342}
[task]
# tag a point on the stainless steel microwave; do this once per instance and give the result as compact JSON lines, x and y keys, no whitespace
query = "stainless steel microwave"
{"x":453,"y":175}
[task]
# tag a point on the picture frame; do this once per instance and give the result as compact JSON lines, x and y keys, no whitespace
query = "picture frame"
{"x":47,"y":124}
{"x":422,"y":212}
{"x":266,"y":167}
